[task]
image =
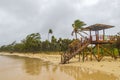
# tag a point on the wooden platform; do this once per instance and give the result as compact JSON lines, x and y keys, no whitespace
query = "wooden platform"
{"x":102,"y":42}
{"x":97,"y":40}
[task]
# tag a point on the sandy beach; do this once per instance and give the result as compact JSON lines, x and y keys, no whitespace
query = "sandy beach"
{"x":107,"y":65}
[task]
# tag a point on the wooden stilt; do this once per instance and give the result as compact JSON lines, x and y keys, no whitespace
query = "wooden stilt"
{"x":83,"y":56}
{"x":91,"y":46}
{"x":98,"y":52}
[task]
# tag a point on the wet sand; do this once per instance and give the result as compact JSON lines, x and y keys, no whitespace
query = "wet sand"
{"x":107,"y":65}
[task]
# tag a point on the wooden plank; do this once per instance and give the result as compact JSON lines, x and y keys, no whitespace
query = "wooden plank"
{"x":67,"y":58}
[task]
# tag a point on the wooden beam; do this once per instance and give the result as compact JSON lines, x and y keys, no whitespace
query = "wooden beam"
{"x":98,"y":51}
{"x":91,"y":53}
{"x":108,"y":52}
{"x":83,"y":55}
{"x":90,"y":36}
{"x":97,"y":35}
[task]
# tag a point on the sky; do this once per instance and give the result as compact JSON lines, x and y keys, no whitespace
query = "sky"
{"x":18,"y":18}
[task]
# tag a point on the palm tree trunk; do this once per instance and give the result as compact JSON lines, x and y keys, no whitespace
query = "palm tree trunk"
{"x":76,"y":35}
{"x":48,"y":36}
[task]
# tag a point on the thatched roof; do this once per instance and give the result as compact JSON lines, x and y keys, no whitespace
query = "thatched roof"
{"x":96,"y":27}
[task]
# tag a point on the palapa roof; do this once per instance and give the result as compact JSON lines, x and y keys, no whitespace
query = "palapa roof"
{"x":96,"y":27}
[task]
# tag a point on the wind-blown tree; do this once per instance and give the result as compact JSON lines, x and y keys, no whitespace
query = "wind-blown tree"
{"x":49,"y":32}
{"x":77,"y":28}
{"x":32,"y":42}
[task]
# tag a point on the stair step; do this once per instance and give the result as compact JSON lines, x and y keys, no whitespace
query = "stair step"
{"x":68,"y":57}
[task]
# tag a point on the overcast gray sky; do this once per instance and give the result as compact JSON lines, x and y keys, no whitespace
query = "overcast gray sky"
{"x":19,"y":18}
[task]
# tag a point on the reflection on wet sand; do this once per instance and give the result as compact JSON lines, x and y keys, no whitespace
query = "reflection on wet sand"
{"x":32,"y":66}
{"x":36,"y":66}
{"x":86,"y":73}
{"x":22,"y":68}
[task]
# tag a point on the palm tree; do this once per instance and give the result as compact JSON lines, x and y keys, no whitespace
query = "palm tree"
{"x":49,"y":32}
{"x":77,"y":28}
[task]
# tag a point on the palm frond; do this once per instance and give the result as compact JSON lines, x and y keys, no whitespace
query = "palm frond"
{"x":83,"y":32}
{"x":81,"y":35}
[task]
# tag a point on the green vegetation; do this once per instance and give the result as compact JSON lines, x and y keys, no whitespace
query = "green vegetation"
{"x":32,"y":43}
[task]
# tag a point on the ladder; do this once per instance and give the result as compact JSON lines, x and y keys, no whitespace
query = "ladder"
{"x":67,"y":56}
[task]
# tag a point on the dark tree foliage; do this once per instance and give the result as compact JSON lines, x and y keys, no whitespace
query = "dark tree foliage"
{"x":32,"y":43}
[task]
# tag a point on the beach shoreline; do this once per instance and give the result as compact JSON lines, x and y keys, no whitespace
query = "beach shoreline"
{"x":107,"y":65}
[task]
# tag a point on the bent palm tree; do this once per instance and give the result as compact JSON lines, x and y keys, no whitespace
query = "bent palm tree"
{"x":77,"y":28}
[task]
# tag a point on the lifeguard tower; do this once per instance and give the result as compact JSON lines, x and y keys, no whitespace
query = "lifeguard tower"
{"x":97,"y":40}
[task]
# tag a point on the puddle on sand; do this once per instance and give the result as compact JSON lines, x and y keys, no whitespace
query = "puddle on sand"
{"x":21,"y":68}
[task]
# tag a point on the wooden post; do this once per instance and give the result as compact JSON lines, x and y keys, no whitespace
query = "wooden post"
{"x":83,"y":56}
{"x":97,"y":35}
{"x":103,"y":34}
{"x":98,"y":52}
{"x":90,"y":36}
{"x":91,"y":53}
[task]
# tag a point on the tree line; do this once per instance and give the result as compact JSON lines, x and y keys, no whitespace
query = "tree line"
{"x":33,"y":43}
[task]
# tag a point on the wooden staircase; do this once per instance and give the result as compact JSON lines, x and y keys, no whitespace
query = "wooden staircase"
{"x":67,"y":56}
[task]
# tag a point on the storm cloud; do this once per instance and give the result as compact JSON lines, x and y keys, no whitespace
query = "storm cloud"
{"x":19,"y":18}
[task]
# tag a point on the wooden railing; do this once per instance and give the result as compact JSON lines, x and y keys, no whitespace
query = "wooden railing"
{"x":101,"y":38}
